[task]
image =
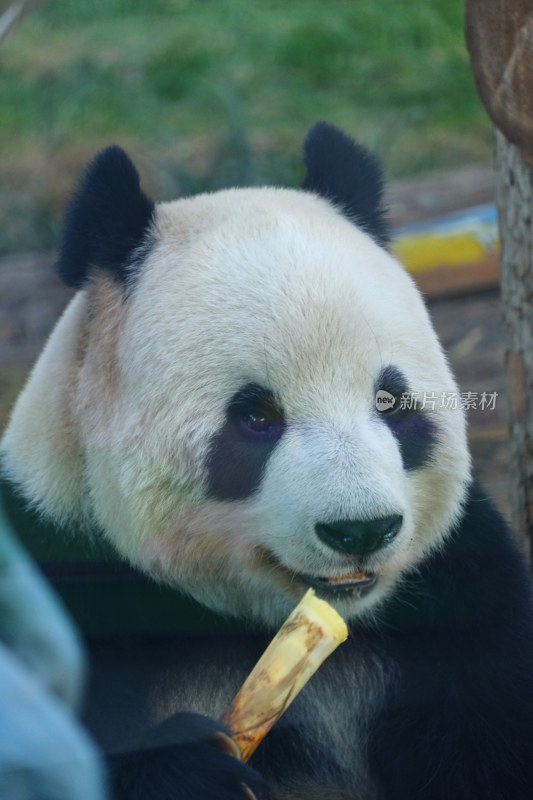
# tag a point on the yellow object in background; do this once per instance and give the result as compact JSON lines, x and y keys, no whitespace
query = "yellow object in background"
{"x":457,"y":240}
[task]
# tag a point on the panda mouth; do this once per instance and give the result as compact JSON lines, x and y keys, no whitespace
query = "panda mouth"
{"x":356,"y":583}
{"x":359,"y":583}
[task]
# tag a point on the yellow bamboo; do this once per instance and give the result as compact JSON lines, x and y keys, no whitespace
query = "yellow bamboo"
{"x":309,"y":635}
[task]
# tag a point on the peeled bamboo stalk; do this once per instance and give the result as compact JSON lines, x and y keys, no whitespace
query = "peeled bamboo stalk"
{"x":308,"y":636}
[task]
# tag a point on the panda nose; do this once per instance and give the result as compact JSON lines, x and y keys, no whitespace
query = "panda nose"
{"x":359,"y":536}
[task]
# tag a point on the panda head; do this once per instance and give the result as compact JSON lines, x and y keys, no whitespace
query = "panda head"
{"x":225,"y":395}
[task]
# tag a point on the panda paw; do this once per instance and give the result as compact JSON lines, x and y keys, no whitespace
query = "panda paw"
{"x":187,"y":757}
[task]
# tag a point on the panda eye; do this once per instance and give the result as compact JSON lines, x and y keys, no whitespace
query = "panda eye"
{"x":257,"y":413}
{"x":261,"y":424}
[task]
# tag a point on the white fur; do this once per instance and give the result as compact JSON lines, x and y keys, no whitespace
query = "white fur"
{"x":244,"y":286}
{"x":41,"y":446}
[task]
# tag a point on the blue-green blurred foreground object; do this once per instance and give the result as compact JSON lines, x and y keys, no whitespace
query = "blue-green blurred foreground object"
{"x":44,"y":753}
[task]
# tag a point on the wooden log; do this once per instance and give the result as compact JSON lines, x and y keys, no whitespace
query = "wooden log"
{"x":499,"y":36}
{"x":515,"y":209}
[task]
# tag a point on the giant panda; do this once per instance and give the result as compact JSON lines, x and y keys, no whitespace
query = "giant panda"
{"x":208,"y":402}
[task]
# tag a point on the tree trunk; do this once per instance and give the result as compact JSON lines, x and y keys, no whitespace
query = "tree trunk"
{"x":515,"y":212}
{"x":499,"y":35}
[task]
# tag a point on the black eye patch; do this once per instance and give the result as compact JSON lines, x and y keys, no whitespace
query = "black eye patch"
{"x":239,"y":451}
{"x":415,"y":432}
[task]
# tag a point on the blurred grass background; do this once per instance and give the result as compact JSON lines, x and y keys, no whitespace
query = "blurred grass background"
{"x":209,"y":93}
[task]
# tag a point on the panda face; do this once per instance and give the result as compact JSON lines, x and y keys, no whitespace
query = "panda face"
{"x":241,"y":454}
{"x":219,"y":416}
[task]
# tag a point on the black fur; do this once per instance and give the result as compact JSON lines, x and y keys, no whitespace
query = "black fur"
{"x":107,"y":221}
{"x":341,"y":170}
{"x":182,"y":759}
{"x":236,"y":445}
{"x":454,"y":651}
{"x":415,"y":432}
{"x":459,"y":720}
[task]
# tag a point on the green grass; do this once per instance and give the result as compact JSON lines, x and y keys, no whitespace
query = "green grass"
{"x":207,"y":93}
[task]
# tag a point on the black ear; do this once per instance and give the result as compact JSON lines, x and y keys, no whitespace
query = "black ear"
{"x":107,"y":220}
{"x":342,"y":171}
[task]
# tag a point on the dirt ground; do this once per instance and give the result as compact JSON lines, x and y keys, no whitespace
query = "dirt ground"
{"x":471,"y":331}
